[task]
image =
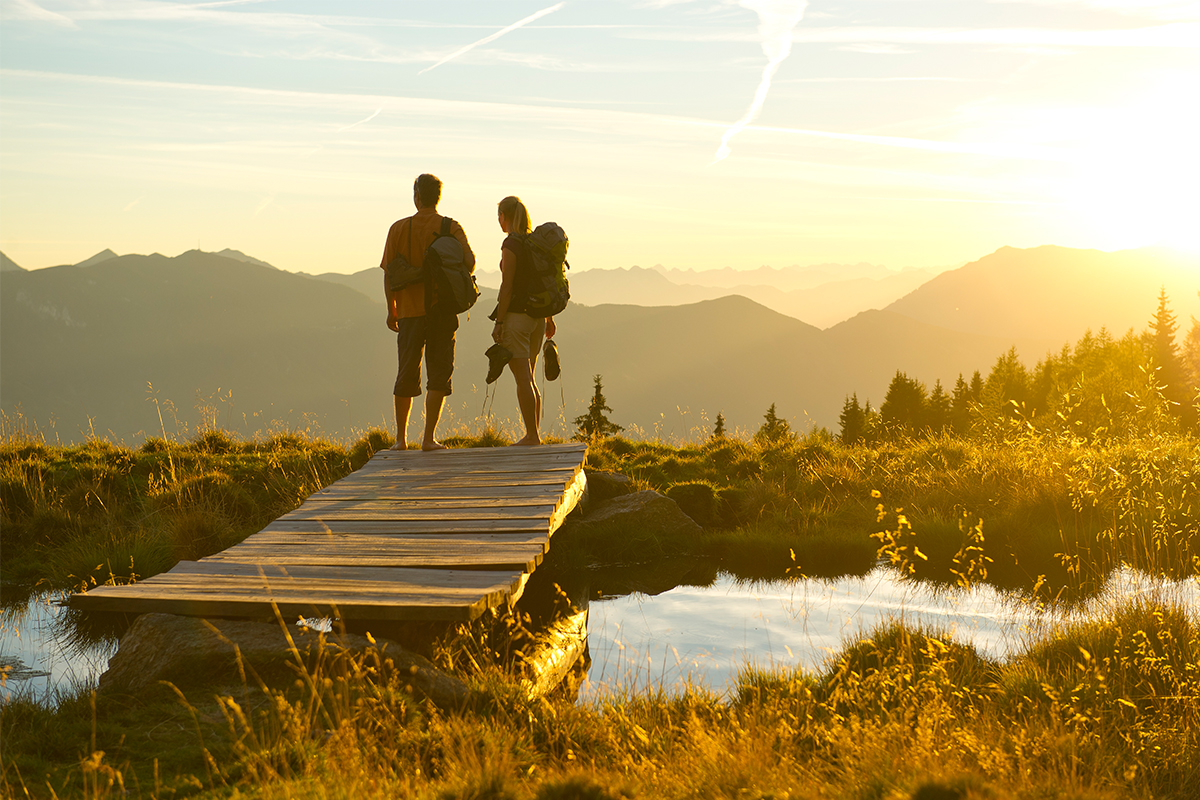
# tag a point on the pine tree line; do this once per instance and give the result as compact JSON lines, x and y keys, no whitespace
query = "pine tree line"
{"x":1102,"y":386}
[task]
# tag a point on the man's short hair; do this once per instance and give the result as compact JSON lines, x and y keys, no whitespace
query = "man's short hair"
{"x":429,"y":189}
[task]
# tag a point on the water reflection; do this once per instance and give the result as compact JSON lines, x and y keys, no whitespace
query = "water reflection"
{"x":706,"y":634}
{"x":45,"y":652}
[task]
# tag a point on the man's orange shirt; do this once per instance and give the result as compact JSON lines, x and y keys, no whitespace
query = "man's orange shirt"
{"x":410,"y":237}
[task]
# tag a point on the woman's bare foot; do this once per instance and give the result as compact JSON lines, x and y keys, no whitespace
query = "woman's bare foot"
{"x":528,"y":441}
{"x":435,"y":445}
{"x":399,"y":446}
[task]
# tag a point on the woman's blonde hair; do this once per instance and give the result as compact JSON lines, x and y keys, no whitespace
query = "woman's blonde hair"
{"x":515,"y":212}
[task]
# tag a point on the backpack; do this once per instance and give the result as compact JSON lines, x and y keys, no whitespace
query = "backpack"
{"x":547,"y":282}
{"x":443,"y":267}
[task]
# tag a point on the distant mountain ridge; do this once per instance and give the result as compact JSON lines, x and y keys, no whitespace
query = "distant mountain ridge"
{"x":79,"y":345}
{"x":1055,"y":293}
{"x":8,"y":265}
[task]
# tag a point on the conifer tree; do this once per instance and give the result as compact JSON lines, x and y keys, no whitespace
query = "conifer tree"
{"x":904,"y":406}
{"x":937,"y":411}
{"x":1166,"y":357}
{"x":719,"y":428}
{"x":773,"y":428}
{"x":853,"y":420}
{"x":595,"y":424}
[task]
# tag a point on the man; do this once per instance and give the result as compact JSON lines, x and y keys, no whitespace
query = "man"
{"x":416,"y":317}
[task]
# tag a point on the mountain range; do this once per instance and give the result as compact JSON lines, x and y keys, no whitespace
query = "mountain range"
{"x":89,"y":347}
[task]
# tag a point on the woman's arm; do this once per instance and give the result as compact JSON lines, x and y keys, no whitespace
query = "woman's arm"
{"x":508,"y":271}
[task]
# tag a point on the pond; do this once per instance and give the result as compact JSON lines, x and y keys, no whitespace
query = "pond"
{"x":638,"y":640}
{"x":706,"y":635}
{"x":43,"y":653}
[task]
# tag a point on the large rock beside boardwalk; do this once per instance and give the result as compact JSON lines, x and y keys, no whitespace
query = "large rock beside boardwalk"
{"x":646,"y":511}
{"x":166,"y":647}
{"x":602,"y":485}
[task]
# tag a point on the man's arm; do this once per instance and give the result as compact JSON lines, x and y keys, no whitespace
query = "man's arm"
{"x":461,"y":235}
{"x":389,"y":297}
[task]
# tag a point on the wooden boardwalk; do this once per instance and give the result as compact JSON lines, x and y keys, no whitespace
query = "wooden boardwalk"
{"x":410,"y":536}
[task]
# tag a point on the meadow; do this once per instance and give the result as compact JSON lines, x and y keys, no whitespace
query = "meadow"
{"x":1107,"y":706}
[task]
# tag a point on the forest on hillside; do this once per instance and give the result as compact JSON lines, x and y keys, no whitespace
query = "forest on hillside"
{"x":1102,"y":387}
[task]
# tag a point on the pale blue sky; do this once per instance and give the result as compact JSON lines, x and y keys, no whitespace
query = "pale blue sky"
{"x":892,"y":131}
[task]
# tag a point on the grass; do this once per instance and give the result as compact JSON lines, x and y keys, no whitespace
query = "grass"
{"x":1102,"y":708}
{"x":98,"y":512}
{"x":1051,"y":516}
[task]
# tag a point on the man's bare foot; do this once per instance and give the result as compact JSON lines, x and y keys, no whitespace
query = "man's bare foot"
{"x":528,"y":441}
{"x":399,"y":446}
{"x":428,"y":446}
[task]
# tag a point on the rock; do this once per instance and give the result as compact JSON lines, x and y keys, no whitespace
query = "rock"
{"x":166,"y":647}
{"x":647,"y":511}
{"x":607,"y":485}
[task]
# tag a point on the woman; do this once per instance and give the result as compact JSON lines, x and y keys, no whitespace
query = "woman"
{"x":520,"y":333}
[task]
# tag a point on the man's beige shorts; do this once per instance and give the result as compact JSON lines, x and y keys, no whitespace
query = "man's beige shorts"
{"x":523,"y":335}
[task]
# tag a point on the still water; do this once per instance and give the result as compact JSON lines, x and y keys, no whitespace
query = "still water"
{"x":706,"y":635}
{"x":42,"y":654}
{"x":700,"y":634}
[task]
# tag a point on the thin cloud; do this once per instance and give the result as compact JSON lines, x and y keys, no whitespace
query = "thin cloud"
{"x":1173,"y":34}
{"x":518,"y":24}
{"x":776,"y":21}
{"x":361,"y":121}
{"x":27,"y":9}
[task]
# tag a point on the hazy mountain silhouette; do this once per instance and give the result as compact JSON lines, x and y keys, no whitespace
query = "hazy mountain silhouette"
{"x":81,"y":343}
{"x":99,"y":258}
{"x":823,"y":298}
{"x":1054,"y":294}
{"x":238,"y":255}
{"x":8,"y":265}
{"x":367,"y":282}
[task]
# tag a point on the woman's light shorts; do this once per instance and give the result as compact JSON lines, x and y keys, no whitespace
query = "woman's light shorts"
{"x":523,"y":335}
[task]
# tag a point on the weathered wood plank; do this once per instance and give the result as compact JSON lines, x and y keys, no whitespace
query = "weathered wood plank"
{"x":310,"y":512}
{"x":436,"y":552}
{"x":570,"y":499}
{"x":399,"y":490}
{"x":309,"y":526}
{"x":388,"y":540}
{"x":321,"y":504}
{"x":391,"y":576}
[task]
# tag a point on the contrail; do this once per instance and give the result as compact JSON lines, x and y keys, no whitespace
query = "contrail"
{"x":776,"y":20}
{"x":496,"y":35}
{"x":361,"y":121}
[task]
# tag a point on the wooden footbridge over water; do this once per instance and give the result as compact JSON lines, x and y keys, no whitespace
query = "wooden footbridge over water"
{"x":411,"y":536}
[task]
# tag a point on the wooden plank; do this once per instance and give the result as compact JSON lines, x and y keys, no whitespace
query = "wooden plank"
{"x":430,"y":607}
{"x":540,"y":452}
{"x":397,"y":551}
{"x":308,"y":512}
{"x":385,"y":540}
{"x":309,"y":526}
{"x":440,"y":579}
{"x":507,"y":479}
{"x":398,"y":490}
{"x":437,"y":471}
{"x":321,"y":504}
{"x":570,"y":499}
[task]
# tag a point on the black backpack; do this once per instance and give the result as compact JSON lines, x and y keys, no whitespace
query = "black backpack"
{"x":547,"y":281}
{"x":444,"y":267}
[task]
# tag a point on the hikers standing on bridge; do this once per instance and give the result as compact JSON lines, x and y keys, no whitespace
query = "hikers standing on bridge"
{"x":532,"y":290}
{"x":422,"y":320}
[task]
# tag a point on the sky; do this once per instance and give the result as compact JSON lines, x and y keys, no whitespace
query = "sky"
{"x":689,"y":133}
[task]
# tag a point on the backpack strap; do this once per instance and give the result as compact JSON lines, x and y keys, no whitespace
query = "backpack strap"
{"x":446,"y":223}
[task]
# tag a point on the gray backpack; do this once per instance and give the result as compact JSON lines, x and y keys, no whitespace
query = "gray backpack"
{"x":444,"y":267}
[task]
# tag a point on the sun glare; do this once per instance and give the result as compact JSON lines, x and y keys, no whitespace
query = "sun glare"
{"x":1136,"y":174}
